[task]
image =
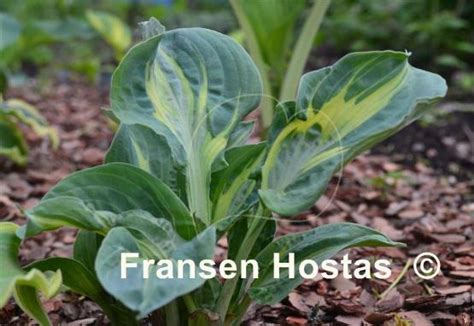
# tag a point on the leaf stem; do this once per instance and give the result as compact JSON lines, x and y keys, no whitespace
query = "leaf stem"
{"x":266,"y":106}
{"x":397,"y":280}
{"x":189,"y":302}
{"x":228,"y":289}
{"x":172,"y":314}
{"x":241,"y":310}
{"x":302,"y":49}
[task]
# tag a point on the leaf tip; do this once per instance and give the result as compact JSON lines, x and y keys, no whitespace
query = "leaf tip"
{"x":150,"y":28}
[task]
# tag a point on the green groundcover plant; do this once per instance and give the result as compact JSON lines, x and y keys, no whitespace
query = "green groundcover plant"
{"x":14,"y":112}
{"x":179,"y":175}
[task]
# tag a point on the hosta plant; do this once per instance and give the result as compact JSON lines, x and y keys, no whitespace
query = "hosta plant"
{"x":14,"y":112}
{"x":112,"y":29}
{"x":179,"y":175}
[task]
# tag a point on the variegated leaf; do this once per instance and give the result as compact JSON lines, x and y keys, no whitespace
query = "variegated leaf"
{"x":12,"y":142}
{"x":316,"y":244}
{"x":29,"y":115}
{"x":348,"y":107}
{"x":232,"y":188}
{"x":24,"y":286}
{"x":193,"y":86}
{"x":141,"y":146}
{"x":113,"y":30}
{"x":146,"y":295}
{"x":94,"y":198}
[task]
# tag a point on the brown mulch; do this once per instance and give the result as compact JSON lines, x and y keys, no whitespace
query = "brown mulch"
{"x":413,"y":204}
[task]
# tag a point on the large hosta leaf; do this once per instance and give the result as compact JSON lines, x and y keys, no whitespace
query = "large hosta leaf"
{"x":146,"y":295}
{"x":93,"y":198}
{"x":24,"y":286}
{"x":317,"y":244}
{"x":193,"y":86}
{"x":348,"y":107}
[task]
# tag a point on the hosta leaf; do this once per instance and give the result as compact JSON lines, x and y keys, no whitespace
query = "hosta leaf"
{"x":241,"y":134}
{"x":83,"y":281}
{"x":235,"y":243}
{"x":68,"y":29}
{"x":66,"y":211}
{"x":70,"y":211}
{"x":206,"y":296}
{"x":350,"y":106}
{"x":272,"y":22}
{"x":231,"y":188}
{"x":150,"y":28}
{"x":146,"y":295}
{"x":144,"y":148}
{"x":193,"y":86}
{"x":113,"y":30}
{"x":90,"y":199}
{"x":317,"y":244}
{"x":12,"y":142}
{"x":30,"y":116}
{"x":86,"y":246}
{"x":10,"y":28}
{"x":23,"y":285}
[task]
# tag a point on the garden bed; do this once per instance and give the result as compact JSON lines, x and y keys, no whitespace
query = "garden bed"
{"x":428,"y":207}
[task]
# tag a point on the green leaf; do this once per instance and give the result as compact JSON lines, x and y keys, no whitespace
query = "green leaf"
{"x":270,"y":30}
{"x":192,"y":86}
{"x":241,"y":134}
{"x":11,"y":30}
{"x":30,"y":116}
{"x":317,"y":244}
{"x":232,"y":190}
{"x":234,"y":237}
{"x":83,"y":281}
{"x":112,"y":29}
{"x":206,"y":296}
{"x":147,"y":295}
{"x":68,"y":29}
{"x":273,"y":23}
{"x":144,"y":148}
{"x":302,"y":49}
{"x":12,"y":142}
{"x":349,"y":107}
{"x":24,"y":286}
{"x":28,"y":300}
{"x":92,"y":198}
{"x":86,"y":246}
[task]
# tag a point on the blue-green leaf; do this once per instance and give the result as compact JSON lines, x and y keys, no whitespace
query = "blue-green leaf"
{"x":92,"y":198}
{"x":141,"y":146}
{"x":146,"y":295}
{"x":10,"y":28}
{"x":348,"y":107}
{"x":317,"y":244}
